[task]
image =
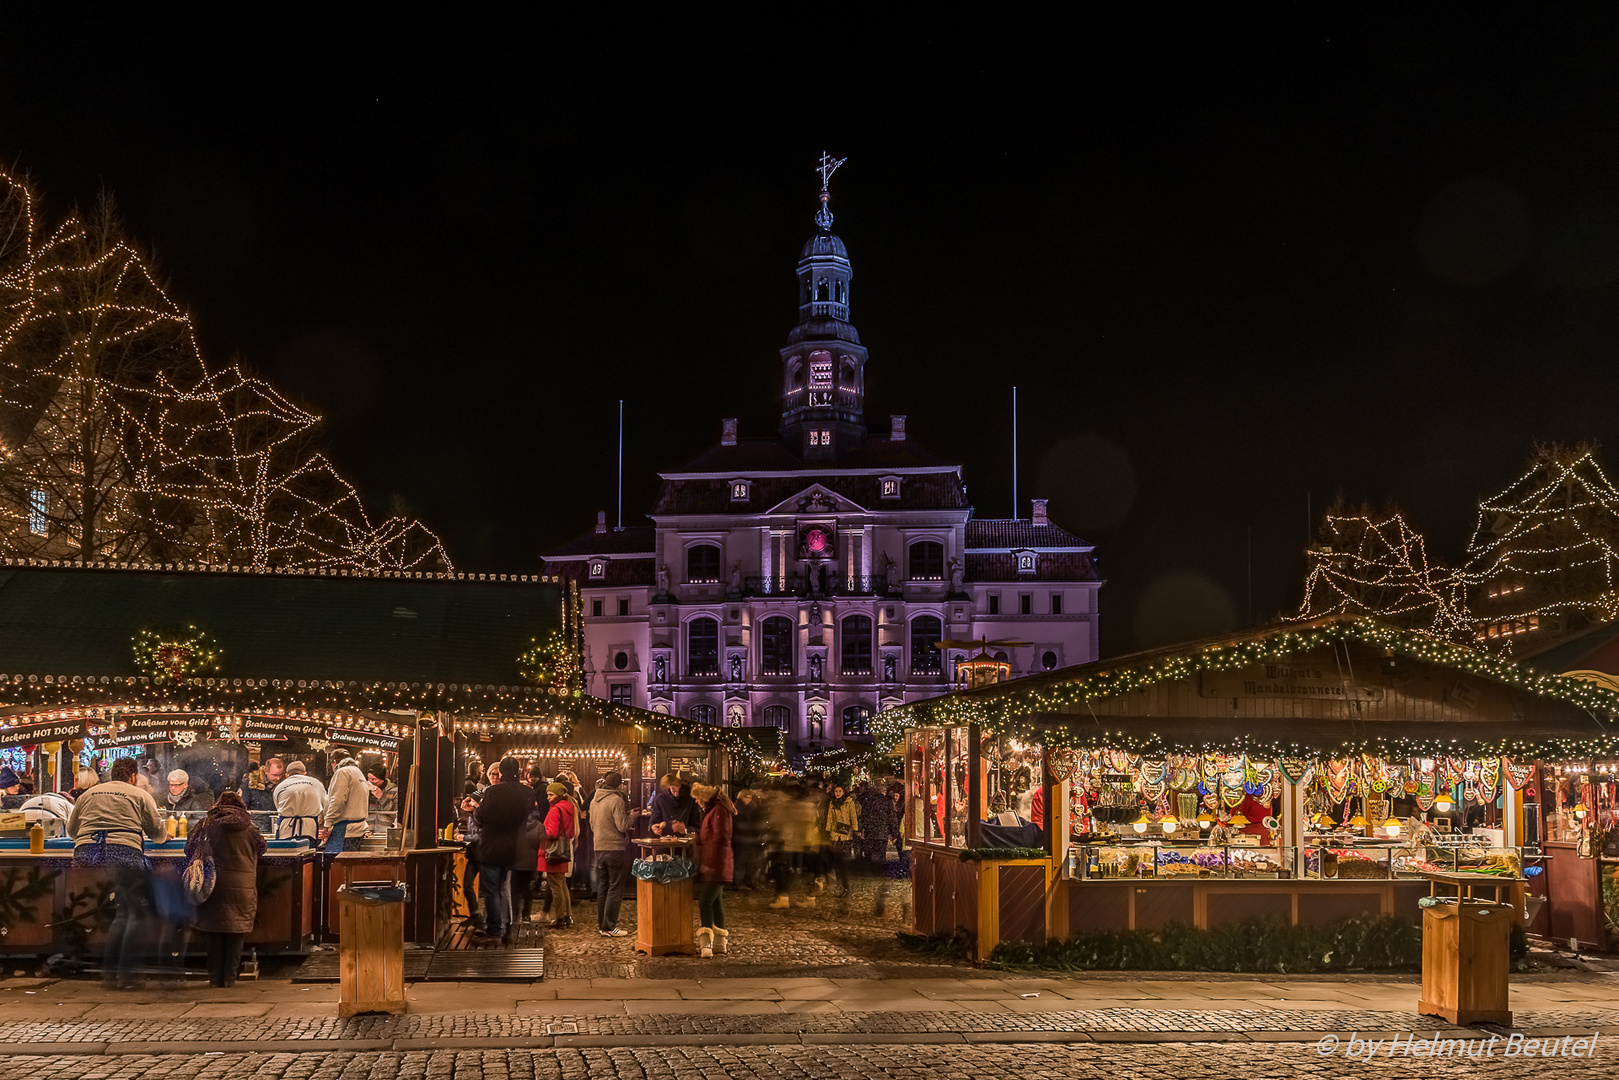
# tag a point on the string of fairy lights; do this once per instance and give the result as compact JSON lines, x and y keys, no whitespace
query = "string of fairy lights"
{"x":125,"y":446}
{"x":1381,"y":568}
{"x":1023,"y":712}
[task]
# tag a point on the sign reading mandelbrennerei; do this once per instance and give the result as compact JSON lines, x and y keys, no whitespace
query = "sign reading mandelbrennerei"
{"x":1286,"y":681}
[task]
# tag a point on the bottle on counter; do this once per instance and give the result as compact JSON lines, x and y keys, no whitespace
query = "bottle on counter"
{"x":36,"y":839}
{"x":181,"y":829}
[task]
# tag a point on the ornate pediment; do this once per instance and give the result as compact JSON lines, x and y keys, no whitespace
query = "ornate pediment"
{"x":816,"y":499}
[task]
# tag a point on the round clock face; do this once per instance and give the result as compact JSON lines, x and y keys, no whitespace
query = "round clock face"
{"x":816,"y":541}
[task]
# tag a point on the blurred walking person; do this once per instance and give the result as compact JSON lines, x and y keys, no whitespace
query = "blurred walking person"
{"x":110,"y":823}
{"x":714,"y":866}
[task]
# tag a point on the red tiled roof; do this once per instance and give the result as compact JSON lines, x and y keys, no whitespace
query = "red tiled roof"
{"x":1006,"y":534}
{"x":750,"y":456}
{"x":929,"y":491}
{"x":633,"y":540}
{"x":619,"y":572}
{"x":1062,"y":566}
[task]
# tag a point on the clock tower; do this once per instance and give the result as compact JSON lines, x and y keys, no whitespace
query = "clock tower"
{"x":823,"y":364}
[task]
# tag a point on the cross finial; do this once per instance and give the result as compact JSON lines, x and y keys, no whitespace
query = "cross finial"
{"x":828,"y":166}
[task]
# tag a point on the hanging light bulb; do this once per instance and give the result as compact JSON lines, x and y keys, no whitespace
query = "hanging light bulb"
{"x":1392,"y":826}
{"x":1237,"y":821}
{"x":1169,"y":822}
{"x":1443,"y":802}
{"x":1580,"y":810}
{"x":1141,"y":823}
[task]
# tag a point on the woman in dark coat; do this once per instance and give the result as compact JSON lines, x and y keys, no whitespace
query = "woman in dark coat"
{"x":715,"y":866}
{"x":226,"y":917}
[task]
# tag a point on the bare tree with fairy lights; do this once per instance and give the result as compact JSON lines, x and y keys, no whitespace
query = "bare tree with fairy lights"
{"x":1377,"y":565}
{"x":1544,"y":557}
{"x":118,"y":443}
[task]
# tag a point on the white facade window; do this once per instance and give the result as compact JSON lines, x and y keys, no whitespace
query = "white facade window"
{"x":820,"y":437}
{"x":38,"y":503}
{"x":740,"y":490}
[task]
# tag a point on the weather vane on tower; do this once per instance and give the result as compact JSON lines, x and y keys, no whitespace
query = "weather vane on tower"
{"x":828,"y":166}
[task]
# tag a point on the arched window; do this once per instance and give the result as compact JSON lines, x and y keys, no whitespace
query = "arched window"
{"x":778,"y":716}
{"x":927,"y":561}
{"x":820,"y":290}
{"x":926,"y":632}
{"x":857,"y":645}
{"x":704,"y":714}
{"x":846,"y":376}
{"x":776,"y":646}
{"x":703,"y":563}
{"x":857,"y":720}
{"x":702,"y":647}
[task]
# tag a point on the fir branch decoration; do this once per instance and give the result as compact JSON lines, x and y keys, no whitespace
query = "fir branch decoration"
{"x":171,"y":657}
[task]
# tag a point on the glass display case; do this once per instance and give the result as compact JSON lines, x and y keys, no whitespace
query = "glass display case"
{"x":960,"y":795}
{"x":382,"y":826}
{"x":1168,"y":860}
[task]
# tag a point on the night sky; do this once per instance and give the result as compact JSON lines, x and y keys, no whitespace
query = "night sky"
{"x":1233,"y":266}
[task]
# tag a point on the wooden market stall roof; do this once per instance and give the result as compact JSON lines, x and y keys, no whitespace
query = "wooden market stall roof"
{"x":68,"y":635}
{"x":1325,"y":686}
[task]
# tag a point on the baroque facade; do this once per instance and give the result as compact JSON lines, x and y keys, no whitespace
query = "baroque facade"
{"x":803,"y":580}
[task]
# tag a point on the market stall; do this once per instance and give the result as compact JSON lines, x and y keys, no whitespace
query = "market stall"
{"x":215,"y":670}
{"x":1309,"y":774}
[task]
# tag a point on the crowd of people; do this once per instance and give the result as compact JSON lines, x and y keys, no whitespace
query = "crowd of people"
{"x":792,"y":835}
{"x":111,"y":817}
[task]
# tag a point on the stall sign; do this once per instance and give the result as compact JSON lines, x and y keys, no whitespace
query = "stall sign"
{"x":363,"y":739}
{"x":137,"y":734}
{"x":692,"y":768}
{"x":1302,"y":680}
{"x":42,"y":731}
{"x":274,"y":728}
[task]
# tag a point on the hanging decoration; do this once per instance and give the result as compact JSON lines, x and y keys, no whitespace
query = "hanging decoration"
{"x":172,"y":657}
{"x":1425,"y":795}
{"x":1517,"y":774}
{"x":1298,"y":770}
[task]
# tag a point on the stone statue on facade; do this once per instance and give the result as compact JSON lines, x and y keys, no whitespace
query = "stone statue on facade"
{"x":815,"y":668}
{"x":660,"y":669}
{"x":957,"y":575}
{"x":663,"y":579}
{"x":736,"y":668}
{"x":888,"y":669}
{"x":891,"y":576}
{"x":736,"y":578}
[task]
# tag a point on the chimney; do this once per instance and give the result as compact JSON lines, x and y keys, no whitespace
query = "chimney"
{"x":1039,"y":514}
{"x":896,"y":429}
{"x":728,"y":432}
{"x":601,"y":521}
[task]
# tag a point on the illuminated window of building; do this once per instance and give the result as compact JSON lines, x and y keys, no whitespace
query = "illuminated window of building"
{"x":856,"y":652}
{"x":857,"y":720}
{"x":776,"y":646}
{"x":739,"y":490}
{"x":927,"y":561}
{"x":619,"y":693}
{"x":820,"y":372}
{"x":598,"y":568}
{"x":38,"y":504}
{"x":703,"y":647}
{"x":1025,"y":562}
{"x":926,"y":633}
{"x":778,"y":716}
{"x":703,"y":563}
{"x":890,"y":487}
{"x":704,"y":714}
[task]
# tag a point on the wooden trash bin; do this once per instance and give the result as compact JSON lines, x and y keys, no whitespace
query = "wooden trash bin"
{"x":1466,"y":945}
{"x":663,"y":913}
{"x":371,"y":947}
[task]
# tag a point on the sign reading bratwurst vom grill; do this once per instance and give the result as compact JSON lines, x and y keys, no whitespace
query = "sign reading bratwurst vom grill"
{"x":1286,"y":681}
{"x":363,"y":740}
{"x":41,"y":731}
{"x":267,"y":727}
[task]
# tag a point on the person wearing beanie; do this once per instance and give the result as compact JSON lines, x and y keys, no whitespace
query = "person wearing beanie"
{"x":610,"y":828}
{"x":561,"y":826}
{"x":500,"y":818}
{"x":11,"y":793}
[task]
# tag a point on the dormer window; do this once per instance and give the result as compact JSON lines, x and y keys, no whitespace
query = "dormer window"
{"x":1025,"y":561}
{"x":820,"y":437}
{"x":598,"y":569}
{"x":890,"y":487}
{"x":741,"y":490}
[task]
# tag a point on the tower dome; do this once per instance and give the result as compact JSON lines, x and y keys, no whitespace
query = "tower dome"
{"x":823,"y":364}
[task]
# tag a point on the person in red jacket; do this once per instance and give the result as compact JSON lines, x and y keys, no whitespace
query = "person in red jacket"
{"x":561,"y":826}
{"x":714,"y":866}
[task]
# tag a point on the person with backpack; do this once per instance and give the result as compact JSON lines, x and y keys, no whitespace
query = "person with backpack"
{"x":225,"y":916}
{"x":561,"y":828}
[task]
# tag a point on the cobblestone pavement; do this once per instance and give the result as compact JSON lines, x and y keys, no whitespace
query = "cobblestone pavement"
{"x":839,"y":936}
{"x":890,"y":1061}
{"x":96,"y":1032}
